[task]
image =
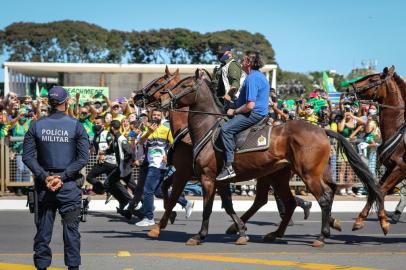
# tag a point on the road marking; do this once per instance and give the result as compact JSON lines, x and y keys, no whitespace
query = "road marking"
{"x":219,"y":257}
{"x":312,"y":253}
{"x":123,"y":253}
{"x":294,"y":264}
{"x":12,"y":266}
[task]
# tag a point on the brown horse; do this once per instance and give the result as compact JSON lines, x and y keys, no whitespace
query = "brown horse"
{"x":389,"y":90}
{"x":295,"y":146}
{"x":180,"y":156}
{"x":183,"y":150}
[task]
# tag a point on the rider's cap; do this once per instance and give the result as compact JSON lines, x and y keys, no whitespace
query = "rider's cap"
{"x":57,"y":95}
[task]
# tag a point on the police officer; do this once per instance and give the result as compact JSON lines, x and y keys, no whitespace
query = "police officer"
{"x":228,"y":76}
{"x":56,"y":148}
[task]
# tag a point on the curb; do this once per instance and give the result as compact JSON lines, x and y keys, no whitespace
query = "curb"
{"x":239,"y":206}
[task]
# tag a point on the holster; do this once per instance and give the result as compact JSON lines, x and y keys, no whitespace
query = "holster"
{"x":32,"y":202}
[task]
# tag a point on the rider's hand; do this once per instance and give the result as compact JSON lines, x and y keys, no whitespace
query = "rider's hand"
{"x":227,"y":97}
{"x":230,"y":112}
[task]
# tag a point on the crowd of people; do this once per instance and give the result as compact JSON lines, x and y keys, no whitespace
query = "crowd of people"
{"x":357,"y":122}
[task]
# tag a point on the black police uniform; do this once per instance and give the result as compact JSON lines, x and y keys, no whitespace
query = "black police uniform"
{"x":57,"y":144}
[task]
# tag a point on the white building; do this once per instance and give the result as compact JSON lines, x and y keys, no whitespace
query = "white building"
{"x":120,"y":78}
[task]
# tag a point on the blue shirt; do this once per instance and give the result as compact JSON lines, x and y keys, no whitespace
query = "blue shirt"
{"x":256,"y":89}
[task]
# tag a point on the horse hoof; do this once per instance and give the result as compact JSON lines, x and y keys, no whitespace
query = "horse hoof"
{"x":192,"y":242}
{"x":318,"y":244}
{"x":172,"y":217}
{"x":269,"y":238}
{"x":337,"y":225}
{"x":385,"y":227}
{"x":154,"y":232}
{"x":358,"y":225}
{"x":242,"y":240}
{"x":232,"y":230}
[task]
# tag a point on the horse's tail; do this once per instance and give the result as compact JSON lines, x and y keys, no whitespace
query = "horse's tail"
{"x":359,"y":167}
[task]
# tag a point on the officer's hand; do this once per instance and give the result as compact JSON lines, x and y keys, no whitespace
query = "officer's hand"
{"x":230,"y":112}
{"x":54,"y":182}
{"x":165,"y":159}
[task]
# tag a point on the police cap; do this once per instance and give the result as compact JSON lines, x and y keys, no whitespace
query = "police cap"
{"x":57,"y":95}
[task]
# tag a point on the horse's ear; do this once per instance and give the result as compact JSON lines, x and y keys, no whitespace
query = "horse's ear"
{"x":167,"y":70}
{"x":177,"y":71}
{"x":199,"y":74}
{"x":385,"y":71}
{"x":391,"y":70}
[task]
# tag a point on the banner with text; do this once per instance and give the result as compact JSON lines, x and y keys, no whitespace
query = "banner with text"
{"x":87,"y":92}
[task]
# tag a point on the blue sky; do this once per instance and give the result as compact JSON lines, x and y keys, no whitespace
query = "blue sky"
{"x":307,"y":35}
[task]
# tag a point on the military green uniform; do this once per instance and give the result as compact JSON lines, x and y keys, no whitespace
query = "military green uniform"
{"x":221,"y":84}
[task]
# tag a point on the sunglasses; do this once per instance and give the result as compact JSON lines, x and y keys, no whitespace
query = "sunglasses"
{"x":309,"y":107}
{"x":115,"y":107}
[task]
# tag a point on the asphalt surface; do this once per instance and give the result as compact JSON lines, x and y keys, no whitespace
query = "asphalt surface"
{"x":105,"y":234}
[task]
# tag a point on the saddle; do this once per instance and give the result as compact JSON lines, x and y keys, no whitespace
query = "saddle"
{"x":255,"y":138}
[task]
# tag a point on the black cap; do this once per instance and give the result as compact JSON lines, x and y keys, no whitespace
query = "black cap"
{"x":57,"y":95}
{"x":224,"y":48}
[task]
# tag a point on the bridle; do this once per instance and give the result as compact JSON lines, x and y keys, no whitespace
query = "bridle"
{"x":176,"y":97}
{"x":146,"y":94}
{"x":374,"y":85}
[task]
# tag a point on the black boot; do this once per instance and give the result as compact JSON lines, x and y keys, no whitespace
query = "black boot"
{"x":306,"y":209}
{"x":73,"y":268}
{"x":396,"y":217}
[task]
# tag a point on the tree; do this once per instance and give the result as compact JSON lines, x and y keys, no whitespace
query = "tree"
{"x":76,"y":41}
{"x":2,"y":37}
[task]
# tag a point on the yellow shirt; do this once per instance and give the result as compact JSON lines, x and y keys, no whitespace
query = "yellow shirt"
{"x":119,"y":117}
{"x":310,"y":118}
{"x":157,"y":145}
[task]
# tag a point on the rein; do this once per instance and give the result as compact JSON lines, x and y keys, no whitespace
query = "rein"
{"x":199,"y":112}
{"x":369,"y":102}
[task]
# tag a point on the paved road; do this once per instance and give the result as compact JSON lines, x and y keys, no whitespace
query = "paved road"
{"x":105,"y":234}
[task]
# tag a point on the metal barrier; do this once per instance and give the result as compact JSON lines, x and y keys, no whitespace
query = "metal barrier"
{"x":8,"y":167}
{"x":2,"y":166}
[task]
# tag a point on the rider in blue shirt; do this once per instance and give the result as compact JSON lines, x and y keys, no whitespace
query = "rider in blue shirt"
{"x":252,"y":107}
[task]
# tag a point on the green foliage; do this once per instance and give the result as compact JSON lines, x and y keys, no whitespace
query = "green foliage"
{"x":76,"y":41}
{"x":288,"y":76}
{"x":2,"y":37}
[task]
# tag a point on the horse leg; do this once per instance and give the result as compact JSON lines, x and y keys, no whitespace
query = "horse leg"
{"x":324,"y":194}
{"x":261,"y":198}
{"x":165,"y":190}
{"x":359,"y":221}
{"x":393,"y":179}
{"x":208,"y":187}
{"x":282,"y":190}
{"x":225,"y":193}
{"x":180,"y":178}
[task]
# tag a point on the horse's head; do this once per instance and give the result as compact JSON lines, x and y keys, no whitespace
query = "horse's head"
{"x":151,"y":93}
{"x":373,"y":87}
{"x":184,"y":93}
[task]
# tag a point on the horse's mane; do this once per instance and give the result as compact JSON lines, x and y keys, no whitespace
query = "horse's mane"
{"x":400,"y":81}
{"x":208,"y":83}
